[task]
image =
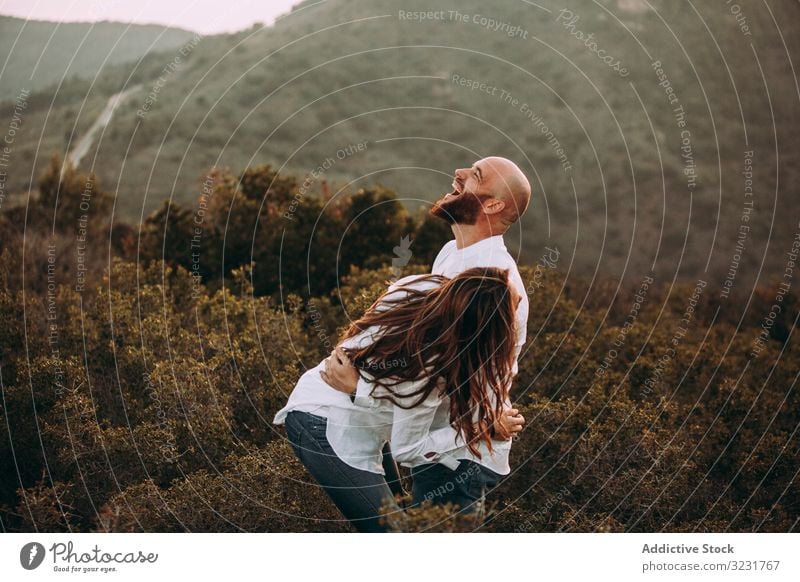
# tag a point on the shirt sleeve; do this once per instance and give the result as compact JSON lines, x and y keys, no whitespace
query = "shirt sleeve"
{"x":413,"y":441}
{"x":363,"y":397}
{"x":432,"y":447}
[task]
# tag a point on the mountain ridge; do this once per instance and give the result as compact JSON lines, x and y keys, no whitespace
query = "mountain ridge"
{"x":39,"y":53}
{"x":338,"y":73}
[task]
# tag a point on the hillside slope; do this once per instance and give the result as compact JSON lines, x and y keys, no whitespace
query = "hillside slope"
{"x":599,"y":126}
{"x":37,"y":54}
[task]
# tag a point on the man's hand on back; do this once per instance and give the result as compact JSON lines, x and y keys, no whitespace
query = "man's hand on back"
{"x":509,"y":424}
{"x":340,"y":373}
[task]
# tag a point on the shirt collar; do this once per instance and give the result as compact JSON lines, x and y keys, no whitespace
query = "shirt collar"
{"x":492,"y":243}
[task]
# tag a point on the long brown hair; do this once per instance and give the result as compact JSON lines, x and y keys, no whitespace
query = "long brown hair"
{"x":461,"y":330}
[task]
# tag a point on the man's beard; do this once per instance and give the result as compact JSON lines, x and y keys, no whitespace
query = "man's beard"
{"x":464,"y":209}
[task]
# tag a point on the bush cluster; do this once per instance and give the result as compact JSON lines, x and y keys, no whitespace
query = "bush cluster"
{"x":143,"y":400}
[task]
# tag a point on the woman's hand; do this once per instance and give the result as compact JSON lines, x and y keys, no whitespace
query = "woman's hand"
{"x":340,"y":373}
{"x":508,"y":425}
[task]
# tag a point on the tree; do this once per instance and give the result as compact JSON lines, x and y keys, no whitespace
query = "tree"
{"x":375,"y":222}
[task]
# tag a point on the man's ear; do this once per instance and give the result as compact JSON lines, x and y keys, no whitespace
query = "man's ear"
{"x":493,"y":206}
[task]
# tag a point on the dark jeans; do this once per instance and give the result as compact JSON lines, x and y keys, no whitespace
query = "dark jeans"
{"x":465,"y":487}
{"x":358,"y":494}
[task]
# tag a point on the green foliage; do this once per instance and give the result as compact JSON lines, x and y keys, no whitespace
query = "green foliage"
{"x":262,"y":491}
{"x":41,"y":53}
{"x":429,"y":518}
{"x":143,"y":401}
{"x":371,"y":219}
{"x":349,"y":83}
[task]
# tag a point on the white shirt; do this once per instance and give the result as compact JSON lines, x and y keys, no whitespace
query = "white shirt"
{"x":447,"y":447}
{"x":489,"y":252}
{"x":357,"y":433}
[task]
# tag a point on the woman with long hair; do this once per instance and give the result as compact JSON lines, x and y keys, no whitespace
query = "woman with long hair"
{"x":429,"y":347}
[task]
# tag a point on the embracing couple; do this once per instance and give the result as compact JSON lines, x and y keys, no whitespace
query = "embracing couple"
{"x":423,"y":377}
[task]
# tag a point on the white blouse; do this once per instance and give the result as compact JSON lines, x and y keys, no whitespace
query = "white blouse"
{"x":356,"y":432}
{"x":489,"y":252}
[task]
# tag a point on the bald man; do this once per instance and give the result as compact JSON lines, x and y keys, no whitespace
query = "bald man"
{"x":486,"y":199}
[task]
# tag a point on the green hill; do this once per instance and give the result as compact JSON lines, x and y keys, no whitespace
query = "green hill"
{"x":38,"y":54}
{"x":573,"y":96}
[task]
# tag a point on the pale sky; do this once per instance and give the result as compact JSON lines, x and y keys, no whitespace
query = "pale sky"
{"x":204,"y":16}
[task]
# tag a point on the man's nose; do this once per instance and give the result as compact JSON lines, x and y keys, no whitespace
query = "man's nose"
{"x":460,"y":173}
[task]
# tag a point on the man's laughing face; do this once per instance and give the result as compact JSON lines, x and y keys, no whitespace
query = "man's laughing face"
{"x":462,"y":205}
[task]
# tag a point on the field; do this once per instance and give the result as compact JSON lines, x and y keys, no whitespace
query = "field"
{"x":139,"y":382}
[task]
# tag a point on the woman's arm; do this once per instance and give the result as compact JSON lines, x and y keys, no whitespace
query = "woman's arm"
{"x":412,"y":438}
{"x":413,"y":441}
